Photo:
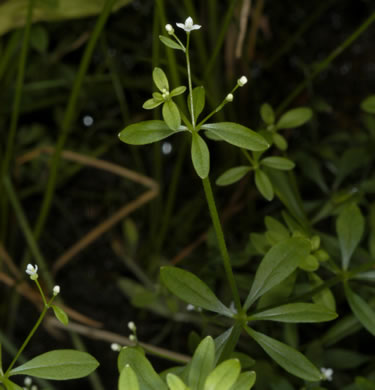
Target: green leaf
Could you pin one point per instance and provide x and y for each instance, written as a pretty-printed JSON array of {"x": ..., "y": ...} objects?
[
  {"x": 281, "y": 163},
  {"x": 39, "y": 38},
  {"x": 350, "y": 226},
  {"x": 237, "y": 135},
  {"x": 202, "y": 363},
  {"x": 294, "y": 118},
  {"x": 245, "y": 381},
  {"x": 160, "y": 79},
  {"x": 148, "y": 379},
  {"x": 147, "y": 132},
  {"x": 199, "y": 99},
  {"x": 368, "y": 104},
  {"x": 170, "y": 42},
  {"x": 280, "y": 141},
  {"x": 309, "y": 264},
  {"x": 200, "y": 155},
  {"x": 60, "y": 364},
  {"x": 287, "y": 357},
  {"x": 223, "y": 376},
  {"x": 178, "y": 91},
  {"x": 175, "y": 383},
  {"x": 267, "y": 114},
  {"x": 264, "y": 184},
  {"x": 274, "y": 225},
  {"x": 191, "y": 289},
  {"x": 171, "y": 115},
  {"x": 50, "y": 3},
  {"x": 296, "y": 312},
  {"x": 128, "y": 380},
  {"x": 232, "y": 175},
  {"x": 281, "y": 260},
  {"x": 9, "y": 385},
  {"x": 150, "y": 104},
  {"x": 60, "y": 315},
  {"x": 323, "y": 297},
  {"x": 361, "y": 309}
]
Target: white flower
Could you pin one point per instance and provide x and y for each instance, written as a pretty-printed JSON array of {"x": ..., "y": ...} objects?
[
  {"x": 28, "y": 381},
  {"x": 189, "y": 26},
  {"x": 32, "y": 271},
  {"x": 169, "y": 28},
  {"x": 115, "y": 347},
  {"x": 56, "y": 290},
  {"x": 327, "y": 372},
  {"x": 242, "y": 81},
  {"x": 229, "y": 97},
  {"x": 131, "y": 326}
]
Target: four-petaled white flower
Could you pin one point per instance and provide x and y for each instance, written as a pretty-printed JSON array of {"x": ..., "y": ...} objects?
[
  {"x": 188, "y": 25},
  {"x": 327, "y": 372},
  {"x": 32, "y": 271}
]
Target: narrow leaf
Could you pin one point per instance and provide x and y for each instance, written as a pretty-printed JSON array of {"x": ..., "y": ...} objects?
[
  {"x": 170, "y": 43},
  {"x": 368, "y": 104},
  {"x": 281, "y": 163},
  {"x": 200, "y": 156},
  {"x": 147, "y": 132},
  {"x": 232, "y": 175},
  {"x": 128, "y": 380},
  {"x": 267, "y": 114},
  {"x": 191, "y": 289},
  {"x": 150, "y": 104},
  {"x": 294, "y": 118},
  {"x": 171, "y": 115},
  {"x": 296, "y": 312},
  {"x": 175, "y": 383},
  {"x": 199, "y": 98},
  {"x": 287, "y": 357},
  {"x": 148, "y": 379},
  {"x": 178, "y": 91},
  {"x": 350, "y": 226},
  {"x": 59, "y": 365},
  {"x": 160, "y": 79},
  {"x": 60, "y": 315},
  {"x": 237, "y": 135},
  {"x": 280, "y": 261},
  {"x": 202, "y": 363},
  {"x": 264, "y": 184},
  {"x": 361, "y": 309},
  {"x": 223, "y": 376},
  {"x": 9, "y": 385},
  {"x": 245, "y": 381}
]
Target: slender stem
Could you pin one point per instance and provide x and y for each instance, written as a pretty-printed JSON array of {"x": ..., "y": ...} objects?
[
  {"x": 33, "y": 330},
  {"x": 221, "y": 241},
  {"x": 324, "y": 64},
  {"x": 189, "y": 80},
  {"x": 41, "y": 292}
]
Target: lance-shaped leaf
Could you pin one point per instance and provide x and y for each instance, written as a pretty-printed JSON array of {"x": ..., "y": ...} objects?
[
  {"x": 296, "y": 312},
  {"x": 58, "y": 365},
  {"x": 60, "y": 314},
  {"x": 175, "y": 383},
  {"x": 267, "y": 114},
  {"x": 202, "y": 363},
  {"x": 286, "y": 356},
  {"x": 223, "y": 376},
  {"x": 9, "y": 385},
  {"x": 232, "y": 175},
  {"x": 237, "y": 135},
  {"x": 294, "y": 118},
  {"x": 281, "y": 163},
  {"x": 361, "y": 309},
  {"x": 245, "y": 381},
  {"x": 160, "y": 79},
  {"x": 200, "y": 155},
  {"x": 191, "y": 289},
  {"x": 199, "y": 97},
  {"x": 280, "y": 261},
  {"x": 170, "y": 42},
  {"x": 350, "y": 226},
  {"x": 264, "y": 184},
  {"x": 171, "y": 115},
  {"x": 146, "y": 132},
  {"x": 147, "y": 377},
  {"x": 128, "y": 380}
]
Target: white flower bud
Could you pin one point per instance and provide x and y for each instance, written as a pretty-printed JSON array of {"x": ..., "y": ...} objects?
[
  {"x": 132, "y": 327},
  {"x": 327, "y": 372},
  {"x": 242, "y": 81},
  {"x": 115, "y": 347},
  {"x": 56, "y": 290},
  {"x": 28, "y": 381},
  {"x": 229, "y": 97},
  {"x": 170, "y": 29}
]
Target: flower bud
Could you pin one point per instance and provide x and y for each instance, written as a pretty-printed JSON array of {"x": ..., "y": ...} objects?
[
  {"x": 229, "y": 97},
  {"x": 170, "y": 29},
  {"x": 242, "y": 81},
  {"x": 132, "y": 327},
  {"x": 115, "y": 347},
  {"x": 56, "y": 290}
]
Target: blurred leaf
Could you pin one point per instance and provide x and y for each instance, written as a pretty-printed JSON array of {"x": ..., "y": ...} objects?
[
  {"x": 200, "y": 155},
  {"x": 361, "y": 309},
  {"x": 350, "y": 226},
  {"x": 191, "y": 289},
  {"x": 9, "y": 385},
  {"x": 60, "y": 364},
  {"x": 175, "y": 383},
  {"x": 267, "y": 114},
  {"x": 294, "y": 118},
  {"x": 264, "y": 184},
  {"x": 274, "y": 225},
  {"x": 344, "y": 358},
  {"x": 232, "y": 175},
  {"x": 281, "y": 163},
  {"x": 309, "y": 264},
  {"x": 128, "y": 380},
  {"x": 280, "y": 141},
  {"x": 146, "y": 132},
  {"x": 198, "y": 101},
  {"x": 178, "y": 91},
  {"x": 171, "y": 115},
  {"x": 60, "y": 315},
  {"x": 325, "y": 296},
  {"x": 368, "y": 104},
  {"x": 13, "y": 12},
  {"x": 160, "y": 79},
  {"x": 277, "y": 265},
  {"x": 223, "y": 376},
  {"x": 245, "y": 381},
  {"x": 260, "y": 243},
  {"x": 237, "y": 135},
  {"x": 296, "y": 312},
  {"x": 39, "y": 38},
  {"x": 170, "y": 42},
  {"x": 202, "y": 363},
  {"x": 341, "y": 328},
  {"x": 288, "y": 358}
]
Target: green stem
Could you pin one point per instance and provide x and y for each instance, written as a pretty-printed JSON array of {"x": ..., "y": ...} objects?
[
  {"x": 189, "y": 80},
  {"x": 221, "y": 241},
  {"x": 69, "y": 117},
  {"x": 324, "y": 64}
]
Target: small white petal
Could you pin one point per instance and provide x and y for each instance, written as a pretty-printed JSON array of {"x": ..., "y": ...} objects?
[
  {"x": 56, "y": 290},
  {"x": 242, "y": 81},
  {"x": 131, "y": 326}
]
